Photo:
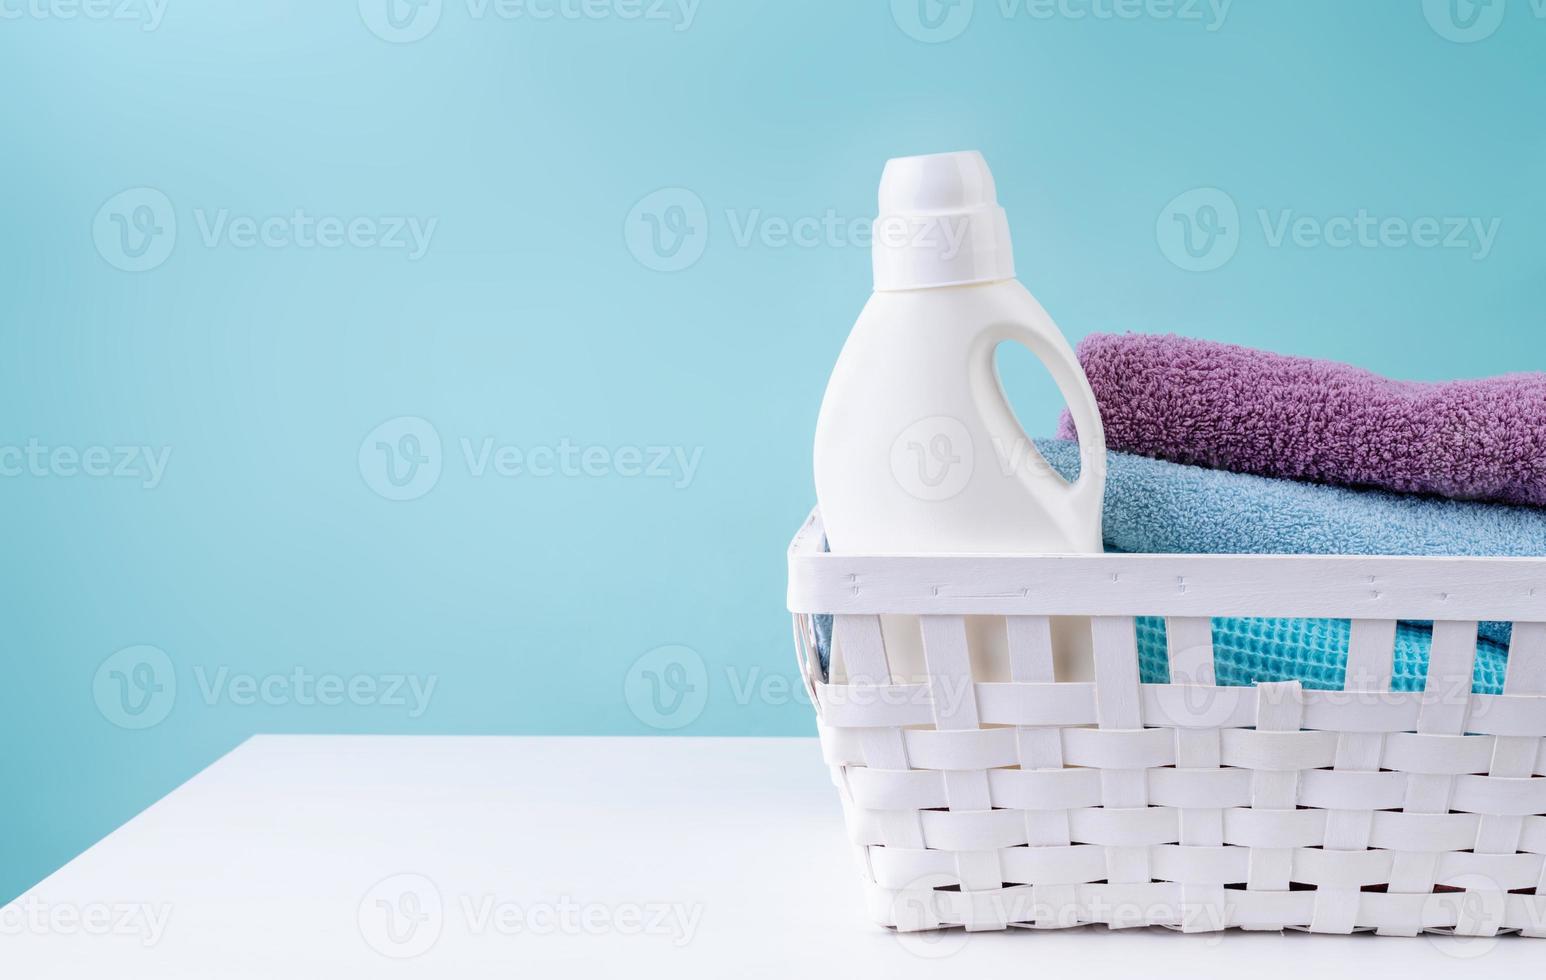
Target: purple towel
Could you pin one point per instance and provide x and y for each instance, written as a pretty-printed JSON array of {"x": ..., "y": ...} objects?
[{"x": 1249, "y": 411}]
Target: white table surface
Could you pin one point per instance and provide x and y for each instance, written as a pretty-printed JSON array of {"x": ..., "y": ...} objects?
[{"x": 623, "y": 857}]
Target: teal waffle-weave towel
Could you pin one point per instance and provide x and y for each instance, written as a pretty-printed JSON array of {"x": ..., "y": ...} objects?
[{"x": 1311, "y": 651}]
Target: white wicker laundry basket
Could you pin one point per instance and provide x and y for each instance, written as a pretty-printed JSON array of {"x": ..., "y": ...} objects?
[{"x": 1047, "y": 805}]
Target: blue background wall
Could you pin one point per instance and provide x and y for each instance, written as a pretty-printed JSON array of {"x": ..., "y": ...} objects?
[{"x": 153, "y": 620}]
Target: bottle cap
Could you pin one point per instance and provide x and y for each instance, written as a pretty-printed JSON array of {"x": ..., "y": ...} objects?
[{"x": 940, "y": 224}]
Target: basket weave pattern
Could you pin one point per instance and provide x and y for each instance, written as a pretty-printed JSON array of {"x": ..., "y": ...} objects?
[{"x": 1034, "y": 803}]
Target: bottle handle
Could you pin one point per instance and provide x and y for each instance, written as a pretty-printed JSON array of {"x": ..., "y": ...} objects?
[{"x": 1086, "y": 494}]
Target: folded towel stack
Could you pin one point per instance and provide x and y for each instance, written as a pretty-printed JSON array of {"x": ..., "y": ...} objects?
[{"x": 1254, "y": 424}]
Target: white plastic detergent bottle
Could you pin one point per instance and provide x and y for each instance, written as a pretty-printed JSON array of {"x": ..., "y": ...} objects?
[{"x": 917, "y": 448}]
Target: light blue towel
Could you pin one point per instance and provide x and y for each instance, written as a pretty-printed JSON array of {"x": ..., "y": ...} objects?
[
  {"x": 1153, "y": 506},
  {"x": 1167, "y": 508},
  {"x": 1161, "y": 507}
]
